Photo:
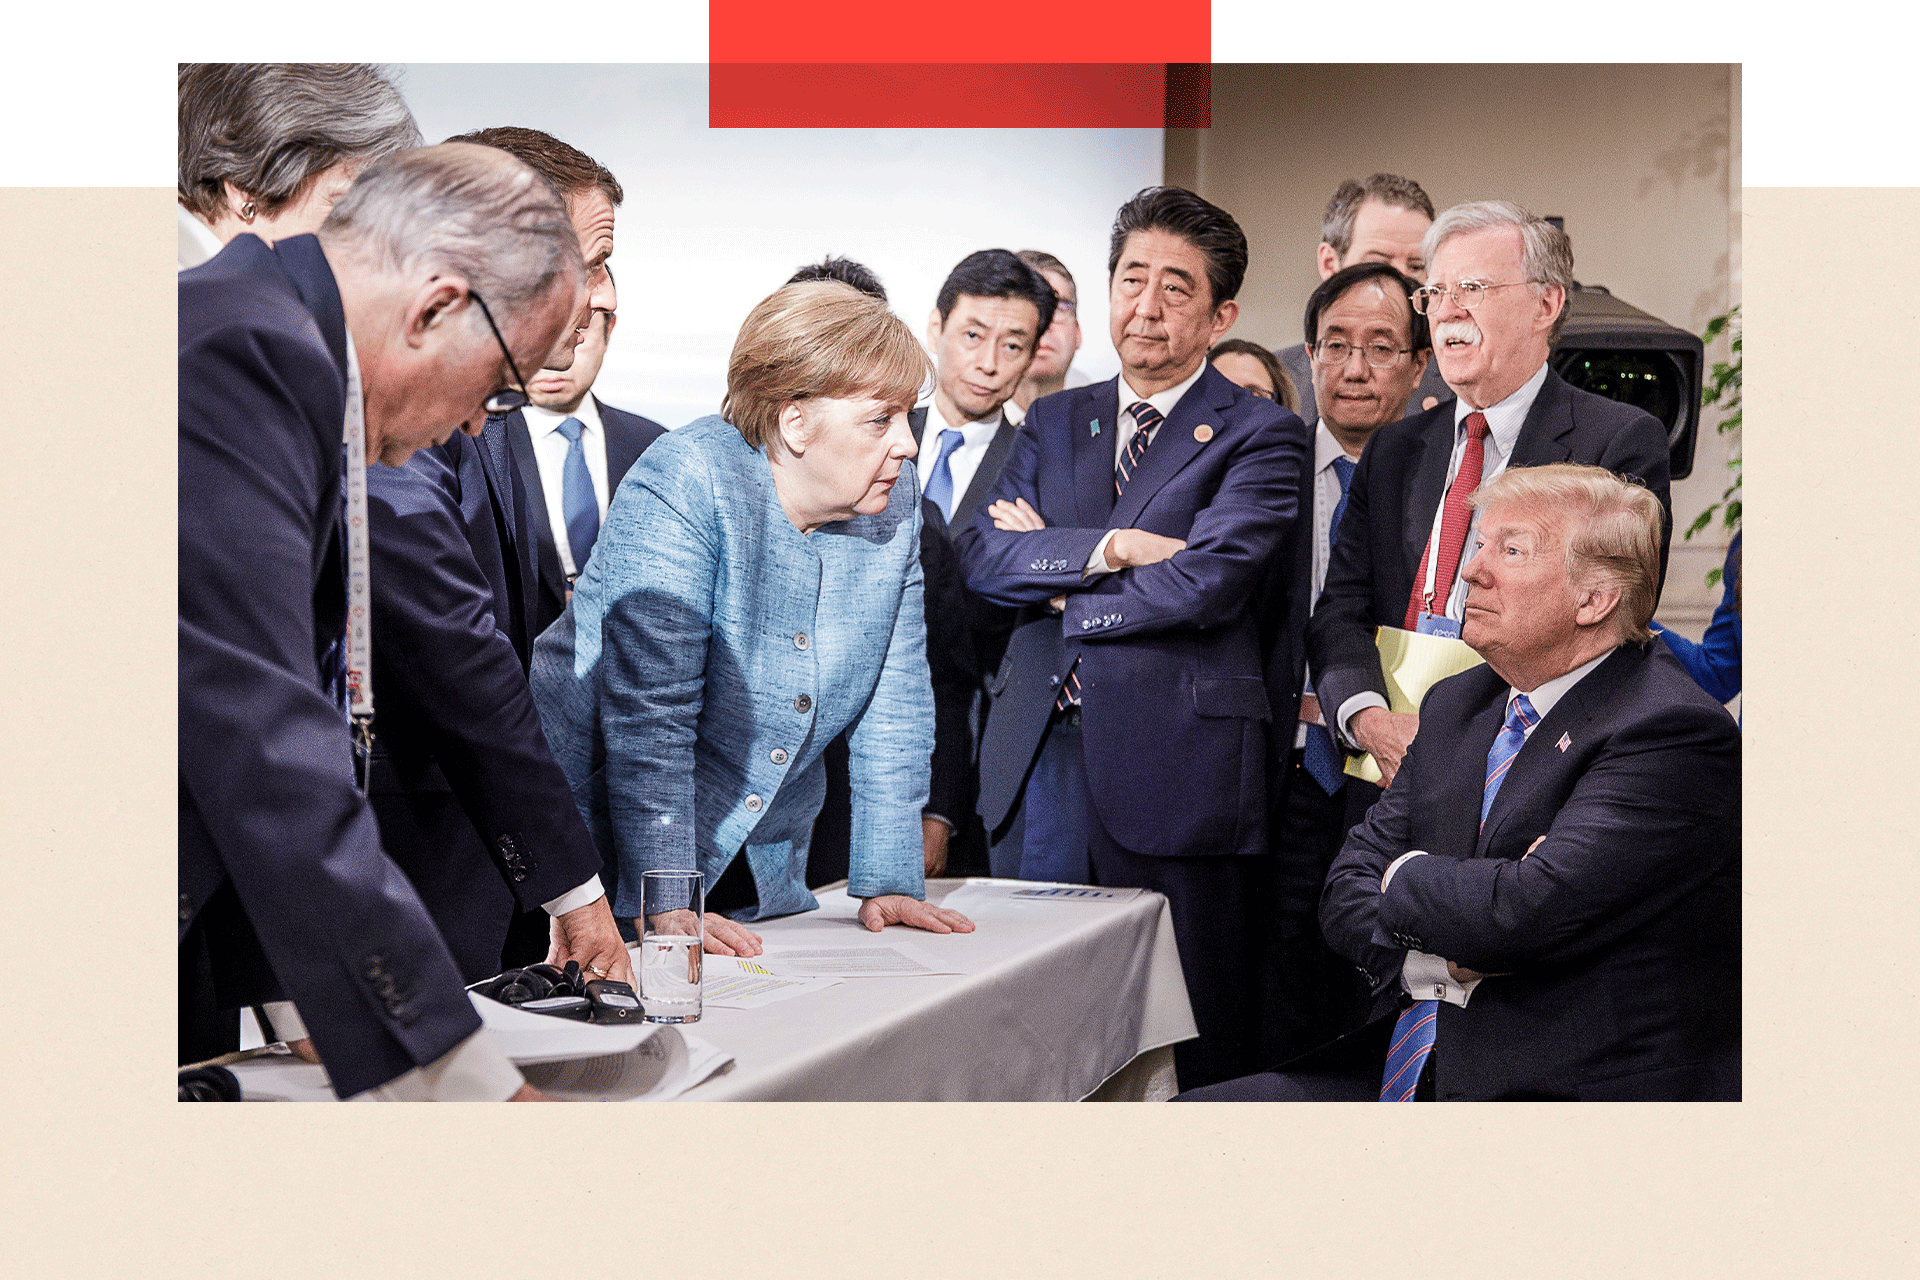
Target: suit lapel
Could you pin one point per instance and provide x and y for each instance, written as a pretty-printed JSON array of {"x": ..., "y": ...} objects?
[
  {"x": 985, "y": 474},
  {"x": 1456, "y": 812},
  {"x": 624, "y": 446},
  {"x": 1541, "y": 761},
  {"x": 1543, "y": 436},
  {"x": 917, "y": 419},
  {"x": 1428, "y": 487},
  {"x": 1175, "y": 444},
  {"x": 527, "y": 467},
  {"x": 1093, "y": 452}
]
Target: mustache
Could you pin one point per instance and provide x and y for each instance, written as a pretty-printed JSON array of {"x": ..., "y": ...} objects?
[{"x": 1461, "y": 330}]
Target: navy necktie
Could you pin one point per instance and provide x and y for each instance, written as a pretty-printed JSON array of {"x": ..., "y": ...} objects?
[
  {"x": 1321, "y": 758},
  {"x": 1413, "y": 1033},
  {"x": 940, "y": 479},
  {"x": 577, "y": 502}
]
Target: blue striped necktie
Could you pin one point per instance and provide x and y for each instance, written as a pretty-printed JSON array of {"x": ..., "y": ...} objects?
[{"x": 1413, "y": 1033}]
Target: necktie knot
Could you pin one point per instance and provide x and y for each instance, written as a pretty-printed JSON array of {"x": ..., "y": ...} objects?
[
  {"x": 1343, "y": 468},
  {"x": 1476, "y": 424},
  {"x": 572, "y": 429},
  {"x": 1520, "y": 714},
  {"x": 1145, "y": 415}
]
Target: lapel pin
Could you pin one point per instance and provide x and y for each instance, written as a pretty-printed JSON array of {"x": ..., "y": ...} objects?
[
  {"x": 1203, "y": 433},
  {"x": 1095, "y": 430},
  {"x": 1564, "y": 743}
]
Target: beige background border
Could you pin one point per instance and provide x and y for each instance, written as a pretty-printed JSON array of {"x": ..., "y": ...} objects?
[{"x": 1812, "y": 1176}]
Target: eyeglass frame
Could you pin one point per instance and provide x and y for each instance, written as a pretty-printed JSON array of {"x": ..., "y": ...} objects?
[
  {"x": 1313, "y": 353},
  {"x": 500, "y": 403},
  {"x": 1418, "y": 299}
]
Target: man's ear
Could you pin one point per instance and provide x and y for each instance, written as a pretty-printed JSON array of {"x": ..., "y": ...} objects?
[
  {"x": 933, "y": 328},
  {"x": 1329, "y": 260},
  {"x": 1223, "y": 317},
  {"x": 430, "y": 305},
  {"x": 1553, "y": 300},
  {"x": 1597, "y": 604}
]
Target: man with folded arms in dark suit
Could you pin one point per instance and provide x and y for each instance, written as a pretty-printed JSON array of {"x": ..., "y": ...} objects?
[
  {"x": 1132, "y": 525},
  {"x": 1553, "y": 880},
  {"x": 284, "y": 887},
  {"x": 1495, "y": 304},
  {"x": 572, "y": 450}
]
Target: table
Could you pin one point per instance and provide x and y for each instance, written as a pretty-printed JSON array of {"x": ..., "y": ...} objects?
[{"x": 1054, "y": 998}]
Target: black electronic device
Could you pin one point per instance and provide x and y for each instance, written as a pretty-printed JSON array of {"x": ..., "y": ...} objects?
[
  {"x": 1616, "y": 350},
  {"x": 613, "y": 1001}
]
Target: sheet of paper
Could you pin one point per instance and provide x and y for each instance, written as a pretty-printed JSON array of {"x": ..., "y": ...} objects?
[
  {"x": 538, "y": 1037},
  {"x": 665, "y": 1065},
  {"x": 981, "y": 891},
  {"x": 894, "y": 958},
  {"x": 1412, "y": 663},
  {"x": 734, "y": 982}
]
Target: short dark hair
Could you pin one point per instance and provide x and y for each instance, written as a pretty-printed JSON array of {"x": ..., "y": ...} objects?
[
  {"x": 997, "y": 273},
  {"x": 270, "y": 127},
  {"x": 846, "y": 271},
  {"x": 1205, "y": 226},
  {"x": 1041, "y": 260},
  {"x": 568, "y": 169},
  {"x": 1336, "y": 224},
  {"x": 1359, "y": 273},
  {"x": 1284, "y": 391}
]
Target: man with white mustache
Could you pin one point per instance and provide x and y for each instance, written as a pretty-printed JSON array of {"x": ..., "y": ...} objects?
[{"x": 1496, "y": 298}]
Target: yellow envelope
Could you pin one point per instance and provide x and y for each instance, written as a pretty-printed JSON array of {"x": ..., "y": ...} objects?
[{"x": 1413, "y": 664}]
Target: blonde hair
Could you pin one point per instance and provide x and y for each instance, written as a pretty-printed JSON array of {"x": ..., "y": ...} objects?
[
  {"x": 819, "y": 338},
  {"x": 1612, "y": 527}
]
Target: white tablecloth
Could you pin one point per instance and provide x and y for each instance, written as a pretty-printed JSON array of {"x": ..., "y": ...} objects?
[{"x": 1052, "y": 999}]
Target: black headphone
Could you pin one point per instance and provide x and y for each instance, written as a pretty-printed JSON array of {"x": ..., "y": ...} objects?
[{"x": 535, "y": 982}]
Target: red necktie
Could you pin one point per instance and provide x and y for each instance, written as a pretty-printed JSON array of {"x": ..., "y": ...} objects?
[{"x": 1455, "y": 516}]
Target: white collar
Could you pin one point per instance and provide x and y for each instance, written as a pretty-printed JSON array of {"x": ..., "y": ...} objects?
[
  {"x": 1164, "y": 401},
  {"x": 1505, "y": 418},
  {"x": 546, "y": 421},
  {"x": 1543, "y": 699}
]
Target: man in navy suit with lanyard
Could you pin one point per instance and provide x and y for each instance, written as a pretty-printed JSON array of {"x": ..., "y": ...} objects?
[{"x": 1131, "y": 525}]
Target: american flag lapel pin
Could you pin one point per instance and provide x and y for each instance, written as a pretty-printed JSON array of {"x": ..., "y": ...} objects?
[
  {"x": 1095, "y": 429},
  {"x": 1564, "y": 743}
]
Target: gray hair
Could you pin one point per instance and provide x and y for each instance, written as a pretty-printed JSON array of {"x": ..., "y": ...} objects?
[
  {"x": 1546, "y": 255},
  {"x": 270, "y": 127},
  {"x": 1612, "y": 527},
  {"x": 1336, "y": 224},
  {"x": 1041, "y": 260},
  {"x": 469, "y": 210}
]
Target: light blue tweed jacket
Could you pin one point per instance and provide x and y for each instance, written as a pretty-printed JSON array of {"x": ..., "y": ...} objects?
[{"x": 709, "y": 654}]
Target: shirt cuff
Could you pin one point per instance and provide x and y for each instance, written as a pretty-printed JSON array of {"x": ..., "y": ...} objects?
[
  {"x": 1394, "y": 866},
  {"x": 1097, "y": 562},
  {"x": 951, "y": 825},
  {"x": 286, "y": 1020},
  {"x": 585, "y": 895},
  {"x": 1425, "y": 977},
  {"x": 475, "y": 1070},
  {"x": 1353, "y": 706}
]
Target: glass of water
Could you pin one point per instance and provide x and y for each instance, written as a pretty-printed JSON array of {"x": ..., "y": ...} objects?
[{"x": 671, "y": 907}]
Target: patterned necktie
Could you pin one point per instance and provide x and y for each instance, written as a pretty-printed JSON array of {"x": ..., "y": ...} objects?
[
  {"x": 940, "y": 480},
  {"x": 1455, "y": 516},
  {"x": 577, "y": 502},
  {"x": 1321, "y": 757},
  {"x": 1413, "y": 1033},
  {"x": 1148, "y": 418}
]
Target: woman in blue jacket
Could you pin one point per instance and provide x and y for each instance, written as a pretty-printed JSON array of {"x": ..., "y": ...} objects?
[{"x": 756, "y": 589}]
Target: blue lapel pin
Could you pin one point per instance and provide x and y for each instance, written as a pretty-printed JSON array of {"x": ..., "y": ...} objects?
[{"x": 1096, "y": 428}]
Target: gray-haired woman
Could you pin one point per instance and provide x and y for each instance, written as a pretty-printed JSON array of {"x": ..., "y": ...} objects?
[{"x": 267, "y": 147}]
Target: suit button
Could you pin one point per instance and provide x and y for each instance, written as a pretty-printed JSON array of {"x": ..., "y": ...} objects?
[
  {"x": 1035, "y": 566},
  {"x": 778, "y": 755},
  {"x": 1085, "y": 623},
  {"x": 753, "y": 804},
  {"x": 803, "y": 704},
  {"x": 186, "y": 907},
  {"x": 801, "y": 642},
  {"x": 373, "y": 971},
  {"x": 1053, "y": 681}
]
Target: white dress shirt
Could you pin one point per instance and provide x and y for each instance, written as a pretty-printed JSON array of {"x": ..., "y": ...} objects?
[
  {"x": 550, "y": 453},
  {"x": 197, "y": 241},
  {"x": 1424, "y": 976},
  {"x": 966, "y": 459},
  {"x": 1123, "y": 434},
  {"x": 1504, "y": 421}
]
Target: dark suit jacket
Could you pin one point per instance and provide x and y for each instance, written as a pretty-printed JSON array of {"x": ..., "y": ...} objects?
[
  {"x": 628, "y": 435},
  {"x": 1299, "y": 367},
  {"x": 1617, "y": 940},
  {"x": 1175, "y": 711},
  {"x": 267, "y": 799},
  {"x": 470, "y": 801},
  {"x": 1396, "y": 490}
]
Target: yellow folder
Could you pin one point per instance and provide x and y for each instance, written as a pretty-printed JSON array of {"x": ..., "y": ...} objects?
[{"x": 1413, "y": 664}]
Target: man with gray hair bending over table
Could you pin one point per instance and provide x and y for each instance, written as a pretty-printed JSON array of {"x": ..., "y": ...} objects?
[{"x": 403, "y": 320}]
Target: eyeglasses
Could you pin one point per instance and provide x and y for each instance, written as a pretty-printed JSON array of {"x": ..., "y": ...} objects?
[
  {"x": 506, "y": 399},
  {"x": 1466, "y": 295},
  {"x": 1335, "y": 351}
]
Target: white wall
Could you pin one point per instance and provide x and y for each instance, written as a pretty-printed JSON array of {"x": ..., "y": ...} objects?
[{"x": 715, "y": 219}]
